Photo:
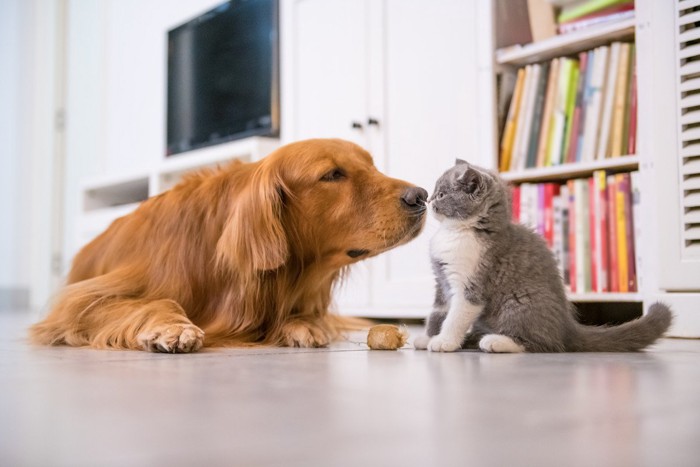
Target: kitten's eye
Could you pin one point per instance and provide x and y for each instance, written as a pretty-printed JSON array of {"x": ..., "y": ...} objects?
[
  {"x": 333, "y": 176},
  {"x": 440, "y": 195}
]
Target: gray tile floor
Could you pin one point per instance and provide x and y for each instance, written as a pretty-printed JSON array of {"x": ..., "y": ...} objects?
[{"x": 345, "y": 406}]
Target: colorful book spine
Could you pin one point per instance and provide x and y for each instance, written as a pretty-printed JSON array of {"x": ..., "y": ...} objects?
[
  {"x": 542, "y": 146},
  {"x": 619, "y": 105},
  {"x": 622, "y": 247},
  {"x": 515, "y": 211},
  {"x": 573, "y": 217},
  {"x": 601, "y": 230},
  {"x": 614, "y": 276},
  {"x": 592, "y": 227},
  {"x": 576, "y": 127},
  {"x": 509, "y": 131},
  {"x": 537, "y": 116},
  {"x": 637, "y": 222}
]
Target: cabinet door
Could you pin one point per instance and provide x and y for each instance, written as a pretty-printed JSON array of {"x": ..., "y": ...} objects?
[
  {"x": 328, "y": 92},
  {"x": 425, "y": 107},
  {"x": 330, "y": 68}
]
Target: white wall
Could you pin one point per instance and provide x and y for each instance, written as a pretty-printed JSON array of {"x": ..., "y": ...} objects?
[
  {"x": 116, "y": 91},
  {"x": 10, "y": 207}
]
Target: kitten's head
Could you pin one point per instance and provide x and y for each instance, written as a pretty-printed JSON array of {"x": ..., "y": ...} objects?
[{"x": 471, "y": 194}]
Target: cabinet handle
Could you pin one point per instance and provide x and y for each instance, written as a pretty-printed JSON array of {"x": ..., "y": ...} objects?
[
  {"x": 356, "y": 125},
  {"x": 372, "y": 121}
]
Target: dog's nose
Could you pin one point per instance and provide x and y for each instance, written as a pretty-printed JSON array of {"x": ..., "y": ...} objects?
[{"x": 414, "y": 197}]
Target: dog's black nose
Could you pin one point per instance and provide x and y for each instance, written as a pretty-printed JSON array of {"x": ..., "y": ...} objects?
[{"x": 414, "y": 198}]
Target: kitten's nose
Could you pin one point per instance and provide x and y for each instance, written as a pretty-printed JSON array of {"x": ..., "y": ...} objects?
[{"x": 414, "y": 198}]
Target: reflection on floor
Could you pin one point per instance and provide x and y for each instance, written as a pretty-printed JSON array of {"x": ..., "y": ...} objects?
[{"x": 345, "y": 406}]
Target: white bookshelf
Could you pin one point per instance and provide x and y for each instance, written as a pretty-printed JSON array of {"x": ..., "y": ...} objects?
[
  {"x": 566, "y": 44},
  {"x": 566, "y": 171},
  {"x": 508, "y": 60}
]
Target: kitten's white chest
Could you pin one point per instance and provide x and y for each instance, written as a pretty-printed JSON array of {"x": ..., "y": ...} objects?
[{"x": 458, "y": 249}]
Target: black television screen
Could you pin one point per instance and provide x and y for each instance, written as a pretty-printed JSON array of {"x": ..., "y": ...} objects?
[{"x": 223, "y": 76}]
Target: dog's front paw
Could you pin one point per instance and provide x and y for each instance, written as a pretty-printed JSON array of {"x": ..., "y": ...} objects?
[
  {"x": 441, "y": 343},
  {"x": 421, "y": 342},
  {"x": 302, "y": 334},
  {"x": 172, "y": 338}
]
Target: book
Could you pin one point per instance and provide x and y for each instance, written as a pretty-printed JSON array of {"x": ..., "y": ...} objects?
[
  {"x": 613, "y": 250},
  {"x": 515, "y": 197},
  {"x": 543, "y": 23},
  {"x": 525, "y": 122},
  {"x": 632, "y": 139},
  {"x": 572, "y": 218},
  {"x": 578, "y": 10},
  {"x": 551, "y": 191},
  {"x": 520, "y": 122},
  {"x": 595, "y": 20},
  {"x": 558, "y": 203},
  {"x": 570, "y": 104},
  {"x": 608, "y": 100},
  {"x": 565, "y": 223},
  {"x": 582, "y": 118},
  {"x": 593, "y": 104},
  {"x": 509, "y": 132},
  {"x": 600, "y": 219},
  {"x": 619, "y": 104},
  {"x": 537, "y": 116},
  {"x": 622, "y": 187},
  {"x": 628, "y": 102},
  {"x": 576, "y": 127},
  {"x": 542, "y": 146},
  {"x": 583, "y": 237},
  {"x": 593, "y": 216},
  {"x": 629, "y": 233},
  {"x": 558, "y": 124},
  {"x": 637, "y": 221}
]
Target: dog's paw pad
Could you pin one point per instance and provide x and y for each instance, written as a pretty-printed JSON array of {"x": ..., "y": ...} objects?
[
  {"x": 172, "y": 338},
  {"x": 305, "y": 335}
]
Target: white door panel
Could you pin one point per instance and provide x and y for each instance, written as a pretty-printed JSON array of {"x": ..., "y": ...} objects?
[
  {"x": 429, "y": 93},
  {"x": 330, "y": 66}
]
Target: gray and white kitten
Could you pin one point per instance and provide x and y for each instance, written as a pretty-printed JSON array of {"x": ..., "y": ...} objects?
[{"x": 498, "y": 285}]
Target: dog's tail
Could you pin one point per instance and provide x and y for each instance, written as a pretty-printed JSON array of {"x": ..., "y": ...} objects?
[{"x": 628, "y": 337}]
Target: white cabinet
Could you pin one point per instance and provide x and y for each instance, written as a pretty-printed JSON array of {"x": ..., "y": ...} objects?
[{"x": 409, "y": 66}]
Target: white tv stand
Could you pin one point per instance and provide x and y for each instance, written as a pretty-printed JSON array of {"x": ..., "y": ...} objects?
[{"x": 106, "y": 198}]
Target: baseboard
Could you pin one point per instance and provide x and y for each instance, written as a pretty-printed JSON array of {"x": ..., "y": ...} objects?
[{"x": 14, "y": 299}]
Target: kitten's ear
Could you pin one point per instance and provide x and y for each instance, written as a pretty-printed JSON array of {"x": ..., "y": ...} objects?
[
  {"x": 459, "y": 161},
  {"x": 470, "y": 180}
]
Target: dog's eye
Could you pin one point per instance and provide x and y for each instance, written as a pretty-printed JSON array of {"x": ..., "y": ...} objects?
[{"x": 333, "y": 176}]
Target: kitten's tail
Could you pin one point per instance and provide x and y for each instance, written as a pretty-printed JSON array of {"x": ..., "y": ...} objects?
[{"x": 628, "y": 337}]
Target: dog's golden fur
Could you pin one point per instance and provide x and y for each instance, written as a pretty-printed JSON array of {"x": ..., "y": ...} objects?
[{"x": 245, "y": 254}]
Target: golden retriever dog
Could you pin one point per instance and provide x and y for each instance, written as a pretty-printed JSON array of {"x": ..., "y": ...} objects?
[{"x": 246, "y": 254}]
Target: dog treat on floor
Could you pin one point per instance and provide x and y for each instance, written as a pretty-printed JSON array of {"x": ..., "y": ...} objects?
[{"x": 386, "y": 337}]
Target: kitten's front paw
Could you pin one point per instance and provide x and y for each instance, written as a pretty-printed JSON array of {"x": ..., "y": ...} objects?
[
  {"x": 421, "y": 342},
  {"x": 442, "y": 343}
]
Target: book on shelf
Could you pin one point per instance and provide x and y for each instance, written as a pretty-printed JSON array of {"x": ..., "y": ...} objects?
[
  {"x": 589, "y": 224},
  {"x": 571, "y": 110},
  {"x": 591, "y": 9},
  {"x": 613, "y": 15}
]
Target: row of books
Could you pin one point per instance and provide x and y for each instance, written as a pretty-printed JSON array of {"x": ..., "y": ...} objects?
[
  {"x": 572, "y": 110},
  {"x": 589, "y": 225},
  {"x": 583, "y": 14}
]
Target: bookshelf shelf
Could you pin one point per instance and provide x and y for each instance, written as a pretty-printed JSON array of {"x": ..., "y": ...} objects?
[
  {"x": 567, "y": 171},
  {"x": 566, "y": 44},
  {"x": 610, "y": 297}
]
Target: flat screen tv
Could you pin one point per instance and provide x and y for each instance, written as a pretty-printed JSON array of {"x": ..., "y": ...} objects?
[{"x": 223, "y": 76}]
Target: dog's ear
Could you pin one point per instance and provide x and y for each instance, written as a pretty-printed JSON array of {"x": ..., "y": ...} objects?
[{"x": 254, "y": 238}]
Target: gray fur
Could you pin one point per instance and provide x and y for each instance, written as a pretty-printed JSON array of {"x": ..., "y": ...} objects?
[{"x": 517, "y": 280}]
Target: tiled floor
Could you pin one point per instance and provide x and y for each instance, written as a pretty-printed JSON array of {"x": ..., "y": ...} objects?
[{"x": 345, "y": 406}]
